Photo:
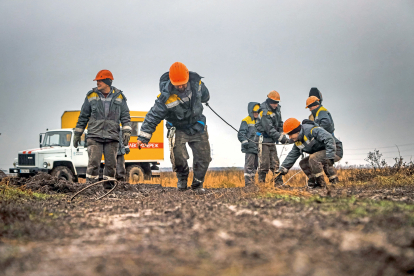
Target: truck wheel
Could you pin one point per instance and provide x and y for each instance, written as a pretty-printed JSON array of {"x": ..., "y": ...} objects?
[
  {"x": 64, "y": 173},
  {"x": 135, "y": 174}
]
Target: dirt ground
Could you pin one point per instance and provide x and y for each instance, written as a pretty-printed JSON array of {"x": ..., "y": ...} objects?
[{"x": 152, "y": 230}]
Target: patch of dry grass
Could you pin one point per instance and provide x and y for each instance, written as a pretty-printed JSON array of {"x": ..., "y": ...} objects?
[{"x": 349, "y": 177}]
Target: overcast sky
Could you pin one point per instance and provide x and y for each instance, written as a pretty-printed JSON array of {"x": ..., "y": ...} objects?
[{"x": 359, "y": 54}]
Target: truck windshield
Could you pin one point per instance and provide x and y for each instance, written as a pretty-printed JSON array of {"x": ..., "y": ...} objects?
[{"x": 57, "y": 138}]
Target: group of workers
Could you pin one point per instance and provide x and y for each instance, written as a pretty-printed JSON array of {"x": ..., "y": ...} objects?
[
  {"x": 180, "y": 104},
  {"x": 263, "y": 129}
]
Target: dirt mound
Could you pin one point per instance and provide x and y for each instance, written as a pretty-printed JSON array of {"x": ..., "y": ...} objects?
[
  {"x": 45, "y": 183},
  {"x": 2, "y": 175}
]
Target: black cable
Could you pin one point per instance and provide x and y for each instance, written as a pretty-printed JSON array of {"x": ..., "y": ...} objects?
[
  {"x": 221, "y": 118},
  {"x": 238, "y": 131}
]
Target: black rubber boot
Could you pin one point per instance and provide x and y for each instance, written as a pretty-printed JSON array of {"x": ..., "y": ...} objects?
[
  {"x": 334, "y": 181},
  {"x": 278, "y": 180},
  {"x": 108, "y": 184},
  {"x": 311, "y": 183},
  {"x": 182, "y": 184},
  {"x": 262, "y": 177},
  {"x": 320, "y": 182}
]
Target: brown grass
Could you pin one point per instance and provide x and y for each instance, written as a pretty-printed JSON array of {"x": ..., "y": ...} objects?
[{"x": 349, "y": 177}]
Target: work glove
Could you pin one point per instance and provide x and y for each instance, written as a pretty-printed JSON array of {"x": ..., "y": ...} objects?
[
  {"x": 199, "y": 126},
  {"x": 127, "y": 150},
  {"x": 282, "y": 171},
  {"x": 245, "y": 146},
  {"x": 331, "y": 162},
  {"x": 125, "y": 137},
  {"x": 76, "y": 140},
  {"x": 284, "y": 140}
]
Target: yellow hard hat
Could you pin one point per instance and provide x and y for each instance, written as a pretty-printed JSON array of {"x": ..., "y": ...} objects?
[{"x": 256, "y": 108}]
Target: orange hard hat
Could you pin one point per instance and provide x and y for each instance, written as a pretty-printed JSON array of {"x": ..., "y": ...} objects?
[
  {"x": 274, "y": 95},
  {"x": 104, "y": 74},
  {"x": 179, "y": 74},
  {"x": 311, "y": 100},
  {"x": 290, "y": 124}
]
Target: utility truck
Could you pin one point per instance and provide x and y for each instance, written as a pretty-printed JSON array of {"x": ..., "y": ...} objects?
[{"x": 57, "y": 156}]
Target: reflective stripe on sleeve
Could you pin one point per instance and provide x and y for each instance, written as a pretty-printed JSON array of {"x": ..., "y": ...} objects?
[
  {"x": 318, "y": 174},
  {"x": 79, "y": 129},
  {"x": 245, "y": 141},
  {"x": 145, "y": 135},
  {"x": 173, "y": 104},
  {"x": 333, "y": 176},
  {"x": 126, "y": 128},
  {"x": 93, "y": 98}
]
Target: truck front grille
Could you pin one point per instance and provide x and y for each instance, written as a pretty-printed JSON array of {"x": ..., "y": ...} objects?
[{"x": 26, "y": 159}]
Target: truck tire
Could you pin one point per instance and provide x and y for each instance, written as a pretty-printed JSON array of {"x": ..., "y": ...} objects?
[
  {"x": 135, "y": 174},
  {"x": 63, "y": 172}
]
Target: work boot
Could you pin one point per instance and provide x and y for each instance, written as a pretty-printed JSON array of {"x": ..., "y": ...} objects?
[
  {"x": 199, "y": 190},
  {"x": 108, "y": 184},
  {"x": 278, "y": 180},
  {"x": 262, "y": 177},
  {"x": 320, "y": 182},
  {"x": 182, "y": 184},
  {"x": 197, "y": 184},
  {"x": 334, "y": 181},
  {"x": 248, "y": 181},
  {"x": 311, "y": 182}
]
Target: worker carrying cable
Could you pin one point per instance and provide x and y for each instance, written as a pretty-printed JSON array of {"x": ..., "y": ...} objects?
[
  {"x": 321, "y": 146},
  {"x": 180, "y": 103},
  {"x": 246, "y": 136},
  {"x": 269, "y": 127},
  {"x": 104, "y": 107}
]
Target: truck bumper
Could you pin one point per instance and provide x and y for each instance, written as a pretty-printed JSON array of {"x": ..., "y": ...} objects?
[{"x": 27, "y": 171}]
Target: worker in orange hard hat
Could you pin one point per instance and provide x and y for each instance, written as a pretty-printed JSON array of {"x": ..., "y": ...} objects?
[
  {"x": 269, "y": 127},
  {"x": 180, "y": 104},
  {"x": 316, "y": 93},
  {"x": 318, "y": 143},
  {"x": 321, "y": 115},
  {"x": 246, "y": 136},
  {"x": 323, "y": 118},
  {"x": 104, "y": 107}
]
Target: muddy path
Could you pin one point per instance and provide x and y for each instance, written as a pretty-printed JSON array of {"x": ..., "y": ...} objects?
[{"x": 150, "y": 230}]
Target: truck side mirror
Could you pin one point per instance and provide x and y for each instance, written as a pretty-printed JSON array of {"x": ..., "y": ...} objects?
[{"x": 40, "y": 139}]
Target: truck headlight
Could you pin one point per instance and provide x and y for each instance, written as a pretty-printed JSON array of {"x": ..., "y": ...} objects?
[{"x": 45, "y": 164}]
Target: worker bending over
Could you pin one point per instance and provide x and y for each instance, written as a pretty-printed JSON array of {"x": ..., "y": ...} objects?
[
  {"x": 318, "y": 143},
  {"x": 246, "y": 136},
  {"x": 104, "y": 107},
  {"x": 180, "y": 103},
  {"x": 269, "y": 127}
]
